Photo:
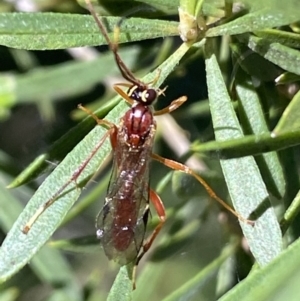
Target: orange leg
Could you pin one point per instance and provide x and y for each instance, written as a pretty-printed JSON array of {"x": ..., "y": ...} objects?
[
  {"x": 175, "y": 104},
  {"x": 160, "y": 210},
  {"x": 95, "y": 117},
  {"x": 122, "y": 93},
  {"x": 128, "y": 85},
  {"x": 111, "y": 132},
  {"x": 183, "y": 168}
]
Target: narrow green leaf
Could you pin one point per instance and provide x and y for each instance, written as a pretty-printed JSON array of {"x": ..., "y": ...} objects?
[
  {"x": 248, "y": 145},
  {"x": 51, "y": 267},
  {"x": 290, "y": 119},
  {"x": 41, "y": 31},
  {"x": 147, "y": 281},
  {"x": 291, "y": 213},
  {"x": 253, "y": 63},
  {"x": 282, "y": 56},
  {"x": 25, "y": 246},
  {"x": 27, "y": 174},
  {"x": 243, "y": 179},
  {"x": 226, "y": 277},
  {"x": 289, "y": 39},
  {"x": 213, "y": 8},
  {"x": 193, "y": 285},
  {"x": 269, "y": 164},
  {"x": 278, "y": 281},
  {"x": 189, "y": 6},
  {"x": 48, "y": 265},
  {"x": 10, "y": 207},
  {"x": 269, "y": 16},
  {"x": 68, "y": 79},
  {"x": 122, "y": 287}
]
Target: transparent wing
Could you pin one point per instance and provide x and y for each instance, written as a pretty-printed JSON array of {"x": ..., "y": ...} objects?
[{"x": 121, "y": 225}]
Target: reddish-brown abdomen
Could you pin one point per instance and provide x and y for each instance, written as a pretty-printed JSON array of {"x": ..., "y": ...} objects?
[{"x": 124, "y": 224}]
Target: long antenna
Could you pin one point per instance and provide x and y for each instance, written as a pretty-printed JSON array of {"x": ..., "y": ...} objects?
[{"x": 126, "y": 73}]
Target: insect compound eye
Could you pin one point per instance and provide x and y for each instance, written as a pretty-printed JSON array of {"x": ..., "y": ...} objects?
[{"x": 149, "y": 96}]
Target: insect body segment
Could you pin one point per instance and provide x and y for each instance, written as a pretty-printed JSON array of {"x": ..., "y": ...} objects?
[
  {"x": 122, "y": 222},
  {"x": 140, "y": 94}
]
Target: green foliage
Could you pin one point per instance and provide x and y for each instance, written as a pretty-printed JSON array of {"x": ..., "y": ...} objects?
[{"x": 253, "y": 109}]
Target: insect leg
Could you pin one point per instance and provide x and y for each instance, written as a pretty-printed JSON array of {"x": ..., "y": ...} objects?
[
  {"x": 98, "y": 120},
  {"x": 128, "y": 85},
  {"x": 122, "y": 93},
  {"x": 160, "y": 210},
  {"x": 74, "y": 177},
  {"x": 175, "y": 104},
  {"x": 111, "y": 132},
  {"x": 183, "y": 168}
]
